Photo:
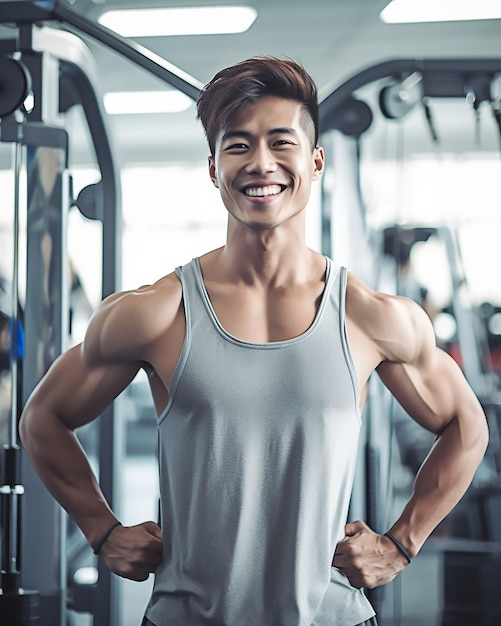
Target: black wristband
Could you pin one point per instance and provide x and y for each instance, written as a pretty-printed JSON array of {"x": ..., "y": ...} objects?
[
  {"x": 399, "y": 546},
  {"x": 103, "y": 538}
]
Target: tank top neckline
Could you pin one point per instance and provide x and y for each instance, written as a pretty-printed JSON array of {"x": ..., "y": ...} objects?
[{"x": 329, "y": 276}]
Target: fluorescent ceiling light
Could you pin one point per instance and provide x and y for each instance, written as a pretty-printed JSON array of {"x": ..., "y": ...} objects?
[
  {"x": 179, "y": 21},
  {"x": 133, "y": 102},
  {"x": 406, "y": 11}
]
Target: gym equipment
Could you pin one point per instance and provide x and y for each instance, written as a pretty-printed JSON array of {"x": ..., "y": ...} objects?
[
  {"x": 353, "y": 117},
  {"x": 391, "y": 91},
  {"x": 15, "y": 85},
  {"x": 405, "y": 83},
  {"x": 398, "y": 98},
  {"x": 17, "y": 605},
  {"x": 60, "y": 74}
]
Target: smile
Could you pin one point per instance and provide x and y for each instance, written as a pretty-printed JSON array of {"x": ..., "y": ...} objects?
[{"x": 261, "y": 192}]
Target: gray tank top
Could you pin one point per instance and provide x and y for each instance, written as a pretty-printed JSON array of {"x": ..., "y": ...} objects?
[{"x": 257, "y": 451}]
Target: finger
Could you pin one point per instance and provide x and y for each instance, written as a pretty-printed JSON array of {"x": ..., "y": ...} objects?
[
  {"x": 153, "y": 529},
  {"x": 153, "y": 561},
  {"x": 137, "y": 577},
  {"x": 153, "y": 549},
  {"x": 339, "y": 551},
  {"x": 342, "y": 560},
  {"x": 352, "y": 528}
]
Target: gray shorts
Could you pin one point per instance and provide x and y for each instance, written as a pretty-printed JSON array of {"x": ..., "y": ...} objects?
[{"x": 369, "y": 622}]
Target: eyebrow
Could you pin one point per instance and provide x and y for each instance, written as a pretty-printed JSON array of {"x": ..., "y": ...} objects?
[{"x": 230, "y": 134}]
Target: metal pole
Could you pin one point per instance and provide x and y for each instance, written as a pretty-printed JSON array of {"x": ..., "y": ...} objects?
[
  {"x": 14, "y": 331},
  {"x": 133, "y": 51},
  {"x": 11, "y": 491},
  {"x": 18, "y": 606}
]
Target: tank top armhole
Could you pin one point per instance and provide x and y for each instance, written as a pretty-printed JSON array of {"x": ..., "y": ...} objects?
[
  {"x": 345, "y": 342},
  {"x": 183, "y": 357}
]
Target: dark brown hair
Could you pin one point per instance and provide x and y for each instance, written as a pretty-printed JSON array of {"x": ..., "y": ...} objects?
[{"x": 247, "y": 81}]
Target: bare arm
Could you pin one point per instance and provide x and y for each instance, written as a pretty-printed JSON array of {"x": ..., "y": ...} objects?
[
  {"x": 433, "y": 390},
  {"x": 75, "y": 391},
  {"x": 69, "y": 396}
]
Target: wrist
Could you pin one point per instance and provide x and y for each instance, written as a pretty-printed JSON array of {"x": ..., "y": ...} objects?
[
  {"x": 98, "y": 544},
  {"x": 399, "y": 546},
  {"x": 409, "y": 533}
]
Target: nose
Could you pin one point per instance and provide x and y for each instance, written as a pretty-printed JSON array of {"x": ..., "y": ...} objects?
[{"x": 261, "y": 160}]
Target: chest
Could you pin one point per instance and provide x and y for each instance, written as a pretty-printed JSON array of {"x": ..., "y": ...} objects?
[
  {"x": 280, "y": 347},
  {"x": 229, "y": 384},
  {"x": 262, "y": 316}
]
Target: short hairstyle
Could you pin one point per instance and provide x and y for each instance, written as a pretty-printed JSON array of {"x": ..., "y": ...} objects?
[{"x": 248, "y": 81}]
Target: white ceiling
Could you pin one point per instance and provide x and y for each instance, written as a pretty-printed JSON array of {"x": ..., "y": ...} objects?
[{"x": 334, "y": 39}]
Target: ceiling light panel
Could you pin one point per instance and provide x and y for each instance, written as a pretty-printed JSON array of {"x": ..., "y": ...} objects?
[
  {"x": 410, "y": 11},
  {"x": 179, "y": 21},
  {"x": 140, "y": 102}
]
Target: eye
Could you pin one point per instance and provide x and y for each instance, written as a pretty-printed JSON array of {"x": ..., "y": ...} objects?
[
  {"x": 283, "y": 142},
  {"x": 237, "y": 146}
]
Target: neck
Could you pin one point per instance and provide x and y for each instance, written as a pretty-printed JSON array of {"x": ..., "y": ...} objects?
[{"x": 270, "y": 257}]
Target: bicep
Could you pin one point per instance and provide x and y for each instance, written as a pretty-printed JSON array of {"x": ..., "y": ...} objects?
[
  {"x": 77, "y": 392},
  {"x": 432, "y": 396},
  {"x": 426, "y": 381}
]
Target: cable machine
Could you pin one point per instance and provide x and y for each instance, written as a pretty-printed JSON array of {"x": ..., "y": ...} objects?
[
  {"x": 44, "y": 72},
  {"x": 380, "y": 95}
]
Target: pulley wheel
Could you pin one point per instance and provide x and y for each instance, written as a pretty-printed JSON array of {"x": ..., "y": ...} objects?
[
  {"x": 15, "y": 85},
  {"x": 352, "y": 117}
]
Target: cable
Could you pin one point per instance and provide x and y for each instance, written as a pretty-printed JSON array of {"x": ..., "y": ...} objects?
[
  {"x": 496, "y": 111},
  {"x": 429, "y": 119}
]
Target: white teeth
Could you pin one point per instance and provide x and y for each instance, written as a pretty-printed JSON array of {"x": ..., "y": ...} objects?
[{"x": 271, "y": 190}]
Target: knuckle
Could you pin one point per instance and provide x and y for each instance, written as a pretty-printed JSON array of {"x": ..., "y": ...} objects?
[{"x": 353, "y": 550}]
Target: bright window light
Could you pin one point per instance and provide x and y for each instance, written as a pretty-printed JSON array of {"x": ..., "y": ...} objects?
[
  {"x": 406, "y": 11},
  {"x": 179, "y": 21},
  {"x": 130, "y": 102}
]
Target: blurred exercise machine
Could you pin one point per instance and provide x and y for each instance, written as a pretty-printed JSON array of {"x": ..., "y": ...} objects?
[
  {"x": 44, "y": 73},
  {"x": 382, "y": 95}
]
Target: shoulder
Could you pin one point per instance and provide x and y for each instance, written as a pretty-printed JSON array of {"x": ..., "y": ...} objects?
[
  {"x": 127, "y": 322},
  {"x": 400, "y": 329}
]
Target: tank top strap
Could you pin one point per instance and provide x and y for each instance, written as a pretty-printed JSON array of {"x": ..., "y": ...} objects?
[
  {"x": 197, "y": 305},
  {"x": 189, "y": 275}
]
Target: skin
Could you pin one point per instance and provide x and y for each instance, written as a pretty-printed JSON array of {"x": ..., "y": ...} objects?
[{"x": 265, "y": 285}]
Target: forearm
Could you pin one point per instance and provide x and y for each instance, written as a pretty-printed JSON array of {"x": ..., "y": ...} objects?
[
  {"x": 63, "y": 466},
  {"x": 442, "y": 480}
]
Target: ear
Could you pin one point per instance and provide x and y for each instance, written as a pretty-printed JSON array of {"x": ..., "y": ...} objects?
[
  {"x": 318, "y": 162},
  {"x": 212, "y": 172}
]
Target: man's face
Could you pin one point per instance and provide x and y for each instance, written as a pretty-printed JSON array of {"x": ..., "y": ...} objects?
[{"x": 263, "y": 163}]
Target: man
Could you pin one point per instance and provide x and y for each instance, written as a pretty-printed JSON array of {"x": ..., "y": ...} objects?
[{"x": 258, "y": 356}]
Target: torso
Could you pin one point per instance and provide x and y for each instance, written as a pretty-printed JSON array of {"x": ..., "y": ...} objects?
[
  {"x": 242, "y": 410},
  {"x": 245, "y": 311}
]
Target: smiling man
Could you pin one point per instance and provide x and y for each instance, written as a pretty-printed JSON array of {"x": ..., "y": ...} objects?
[
  {"x": 258, "y": 355},
  {"x": 264, "y": 164}
]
